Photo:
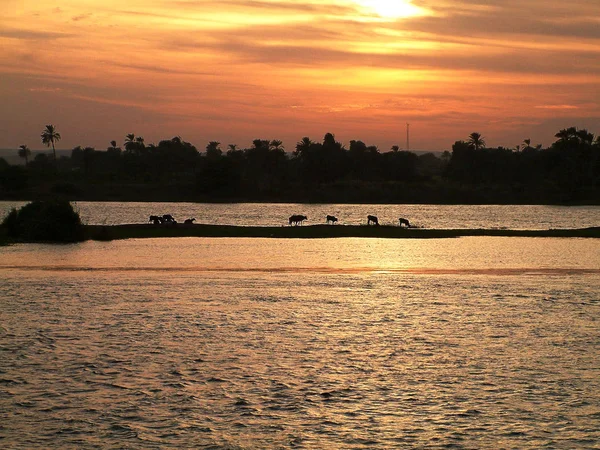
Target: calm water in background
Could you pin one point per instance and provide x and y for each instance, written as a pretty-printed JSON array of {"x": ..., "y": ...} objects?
[
  {"x": 480, "y": 342},
  {"x": 274, "y": 214}
]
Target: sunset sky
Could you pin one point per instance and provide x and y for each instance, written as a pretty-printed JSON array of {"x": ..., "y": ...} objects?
[{"x": 234, "y": 71}]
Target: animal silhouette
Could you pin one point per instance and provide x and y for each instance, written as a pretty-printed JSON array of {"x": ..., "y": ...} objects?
[
  {"x": 404, "y": 221},
  {"x": 297, "y": 219},
  {"x": 331, "y": 219},
  {"x": 189, "y": 221},
  {"x": 372, "y": 219}
]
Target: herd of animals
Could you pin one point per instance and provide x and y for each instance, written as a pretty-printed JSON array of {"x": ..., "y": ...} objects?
[
  {"x": 167, "y": 219},
  {"x": 296, "y": 219},
  {"x": 371, "y": 220}
]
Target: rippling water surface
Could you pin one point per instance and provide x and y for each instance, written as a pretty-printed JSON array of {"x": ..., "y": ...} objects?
[
  {"x": 315, "y": 344},
  {"x": 274, "y": 214}
]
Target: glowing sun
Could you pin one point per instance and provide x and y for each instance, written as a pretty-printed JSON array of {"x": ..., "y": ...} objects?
[{"x": 391, "y": 9}]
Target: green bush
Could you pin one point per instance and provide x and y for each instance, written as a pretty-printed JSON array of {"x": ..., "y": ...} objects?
[{"x": 48, "y": 221}]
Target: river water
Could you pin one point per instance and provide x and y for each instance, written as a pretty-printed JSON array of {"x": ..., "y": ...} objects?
[
  {"x": 478, "y": 342},
  {"x": 274, "y": 214}
]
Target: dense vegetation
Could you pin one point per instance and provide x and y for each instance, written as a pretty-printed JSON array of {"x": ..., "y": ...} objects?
[
  {"x": 566, "y": 172},
  {"x": 44, "y": 221}
]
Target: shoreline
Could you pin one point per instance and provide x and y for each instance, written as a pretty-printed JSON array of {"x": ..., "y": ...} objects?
[{"x": 139, "y": 231}]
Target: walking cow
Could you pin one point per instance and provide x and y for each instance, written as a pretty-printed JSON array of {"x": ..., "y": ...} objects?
[{"x": 297, "y": 219}]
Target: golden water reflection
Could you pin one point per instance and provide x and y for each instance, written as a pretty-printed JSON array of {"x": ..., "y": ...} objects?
[{"x": 474, "y": 254}]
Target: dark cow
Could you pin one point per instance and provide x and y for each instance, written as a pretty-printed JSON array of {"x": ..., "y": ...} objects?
[
  {"x": 168, "y": 218},
  {"x": 297, "y": 219},
  {"x": 372, "y": 219},
  {"x": 404, "y": 221},
  {"x": 156, "y": 220},
  {"x": 331, "y": 219},
  {"x": 189, "y": 221}
]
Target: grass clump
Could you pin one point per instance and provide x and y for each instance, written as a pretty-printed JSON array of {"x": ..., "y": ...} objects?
[{"x": 44, "y": 221}]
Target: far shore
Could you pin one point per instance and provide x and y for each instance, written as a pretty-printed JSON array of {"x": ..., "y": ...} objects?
[{"x": 134, "y": 231}]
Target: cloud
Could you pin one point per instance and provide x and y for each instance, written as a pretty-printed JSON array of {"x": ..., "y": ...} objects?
[
  {"x": 250, "y": 49},
  {"x": 556, "y": 107},
  {"x": 268, "y": 7},
  {"x": 32, "y": 35},
  {"x": 44, "y": 89},
  {"x": 81, "y": 17}
]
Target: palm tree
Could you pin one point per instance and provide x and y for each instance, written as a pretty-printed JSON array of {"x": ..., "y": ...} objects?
[
  {"x": 113, "y": 145},
  {"x": 395, "y": 148},
  {"x": 585, "y": 136},
  {"x": 303, "y": 146},
  {"x": 476, "y": 140},
  {"x": 49, "y": 137},
  {"x": 526, "y": 144},
  {"x": 276, "y": 145},
  {"x": 232, "y": 147},
  {"x": 129, "y": 139},
  {"x": 24, "y": 152},
  {"x": 566, "y": 134}
]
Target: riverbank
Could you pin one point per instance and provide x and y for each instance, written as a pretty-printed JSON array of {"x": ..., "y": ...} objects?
[{"x": 100, "y": 232}]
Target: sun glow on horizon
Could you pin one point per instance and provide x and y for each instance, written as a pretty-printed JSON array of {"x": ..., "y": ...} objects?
[{"x": 392, "y": 9}]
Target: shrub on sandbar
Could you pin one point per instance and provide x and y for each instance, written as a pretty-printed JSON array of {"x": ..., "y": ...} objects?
[{"x": 46, "y": 221}]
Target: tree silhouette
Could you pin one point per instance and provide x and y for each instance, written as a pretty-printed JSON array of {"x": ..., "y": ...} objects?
[
  {"x": 24, "y": 152},
  {"x": 476, "y": 140},
  {"x": 130, "y": 143},
  {"x": 213, "y": 150},
  {"x": 566, "y": 134},
  {"x": 526, "y": 144},
  {"x": 49, "y": 137},
  {"x": 303, "y": 146},
  {"x": 276, "y": 145},
  {"x": 572, "y": 135},
  {"x": 395, "y": 148}
]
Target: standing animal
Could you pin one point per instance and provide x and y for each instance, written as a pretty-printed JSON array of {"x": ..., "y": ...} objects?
[
  {"x": 297, "y": 219},
  {"x": 372, "y": 219},
  {"x": 156, "y": 220},
  {"x": 404, "y": 221},
  {"x": 331, "y": 219},
  {"x": 189, "y": 221},
  {"x": 168, "y": 218}
]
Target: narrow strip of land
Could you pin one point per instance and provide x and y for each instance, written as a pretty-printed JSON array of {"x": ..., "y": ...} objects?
[{"x": 101, "y": 232}]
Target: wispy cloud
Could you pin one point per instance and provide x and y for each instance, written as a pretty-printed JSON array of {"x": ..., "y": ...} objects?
[{"x": 556, "y": 107}]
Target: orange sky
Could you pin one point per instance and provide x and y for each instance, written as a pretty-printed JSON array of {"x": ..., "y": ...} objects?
[{"x": 238, "y": 70}]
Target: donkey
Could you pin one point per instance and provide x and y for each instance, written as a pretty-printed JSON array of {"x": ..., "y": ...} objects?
[
  {"x": 297, "y": 219},
  {"x": 404, "y": 221},
  {"x": 331, "y": 219},
  {"x": 372, "y": 219}
]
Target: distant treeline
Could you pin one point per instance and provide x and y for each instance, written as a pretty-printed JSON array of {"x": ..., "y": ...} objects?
[{"x": 174, "y": 170}]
